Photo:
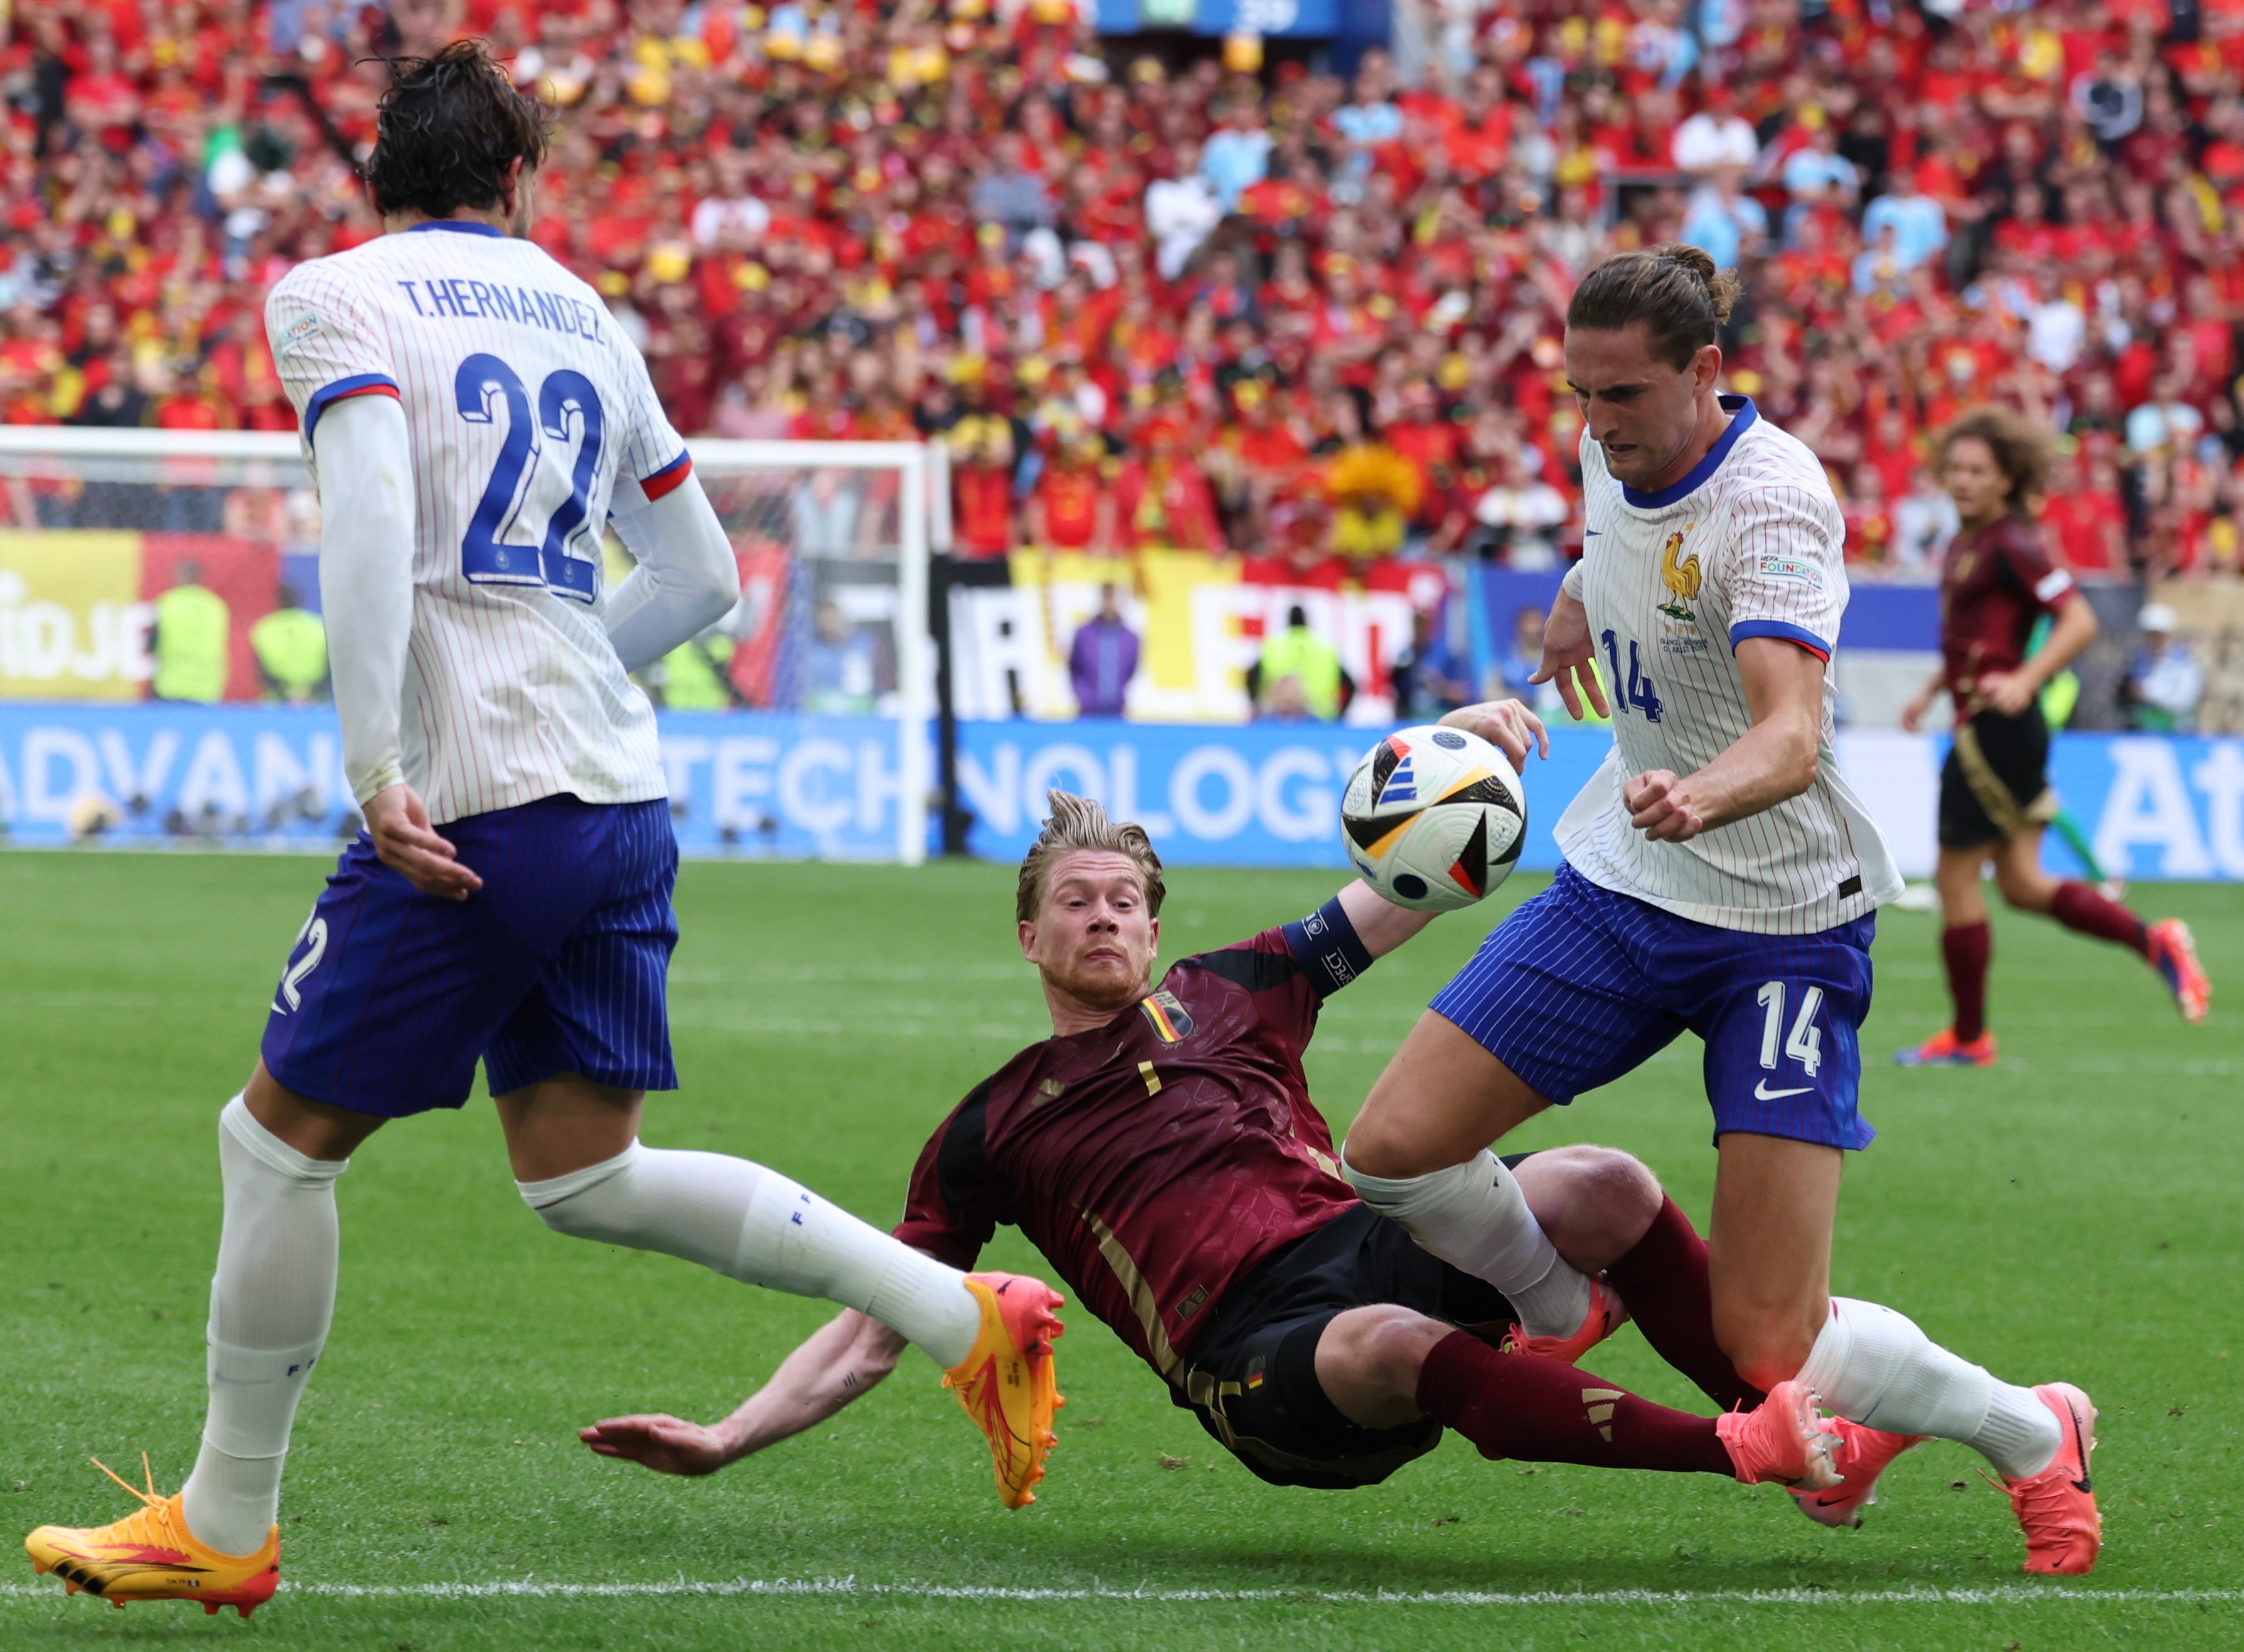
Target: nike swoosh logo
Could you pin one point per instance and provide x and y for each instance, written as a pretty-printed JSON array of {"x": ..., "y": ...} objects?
[
  {"x": 1592, "y": 533},
  {"x": 1762, "y": 1093}
]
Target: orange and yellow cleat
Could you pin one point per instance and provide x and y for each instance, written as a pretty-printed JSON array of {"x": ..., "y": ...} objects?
[
  {"x": 2173, "y": 954},
  {"x": 2057, "y": 1508},
  {"x": 1780, "y": 1439},
  {"x": 1943, "y": 1049},
  {"x": 1006, "y": 1382},
  {"x": 152, "y": 1556},
  {"x": 1607, "y": 1314}
]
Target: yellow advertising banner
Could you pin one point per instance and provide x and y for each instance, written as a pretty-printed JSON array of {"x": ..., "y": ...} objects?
[{"x": 72, "y": 625}]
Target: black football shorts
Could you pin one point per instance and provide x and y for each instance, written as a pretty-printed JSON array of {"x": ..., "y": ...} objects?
[
  {"x": 1250, "y": 1376},
  {"x": 1995, "y": 781}
]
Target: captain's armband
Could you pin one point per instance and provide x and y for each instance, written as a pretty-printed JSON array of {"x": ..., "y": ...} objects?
[{"x": 1326, "y": 945}]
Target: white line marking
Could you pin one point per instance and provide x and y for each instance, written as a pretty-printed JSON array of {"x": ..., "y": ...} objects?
[{"x": 849, "y": 1588}]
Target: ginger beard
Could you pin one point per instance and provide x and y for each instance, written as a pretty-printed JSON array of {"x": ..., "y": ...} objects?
[{"x": 1093, "y": 938}]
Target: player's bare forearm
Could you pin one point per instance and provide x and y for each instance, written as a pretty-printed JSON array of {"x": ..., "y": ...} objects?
[
  {"x": 1775, "y": 759},
  {"x": 1510, "y": 725},
  {"x": 2074, "y": 631},
  {"x": 1379, "y": 924},
  {"x": 842, "y": 1360},
  {"x": 1568, "y": 658}
]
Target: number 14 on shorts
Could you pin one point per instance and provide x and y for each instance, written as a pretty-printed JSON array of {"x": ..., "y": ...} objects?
[{"x": 1804, "y": 1043}]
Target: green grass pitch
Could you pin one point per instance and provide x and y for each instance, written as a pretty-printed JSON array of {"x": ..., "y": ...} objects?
[{"x": 2073, "y": 1213}]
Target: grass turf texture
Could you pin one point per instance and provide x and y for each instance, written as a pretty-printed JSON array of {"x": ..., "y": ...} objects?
[{"x": 2071, "y": 1213}]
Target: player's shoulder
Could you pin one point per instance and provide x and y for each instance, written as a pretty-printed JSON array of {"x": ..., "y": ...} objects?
[
  {"x": 1768, "y": 456},
  {"x": 349, "y": 271},
  {"x": 1257, "y": 964}
]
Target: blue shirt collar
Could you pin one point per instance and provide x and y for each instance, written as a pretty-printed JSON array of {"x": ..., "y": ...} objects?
[
  {"x": 461, "y": 225},
  {"x": 1740, "y": 409}
]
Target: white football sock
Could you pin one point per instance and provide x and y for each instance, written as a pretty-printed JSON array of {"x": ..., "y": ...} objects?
[
  {"x": 1474, "y": 1217},
  {"x": 1873, "y": 1366},
  {"x": 272, "y": 1301},
  {"x": 754, "y": 1224}
]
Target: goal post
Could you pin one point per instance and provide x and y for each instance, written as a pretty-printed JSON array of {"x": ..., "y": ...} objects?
[{"x": 95, "y": 525}]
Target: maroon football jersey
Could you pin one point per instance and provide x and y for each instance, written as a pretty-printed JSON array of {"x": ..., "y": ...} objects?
[
  {"x": 1155, "y": 1160},
  {"x": 1994, "y": 584}
]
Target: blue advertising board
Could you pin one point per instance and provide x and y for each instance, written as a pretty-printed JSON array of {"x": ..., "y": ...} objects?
[{"x": 754, "y": 784}]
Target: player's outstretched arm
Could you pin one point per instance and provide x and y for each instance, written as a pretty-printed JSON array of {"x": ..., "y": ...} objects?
[
  {"x": 364, "y": 461},
  {"x": 687, "y": 578},
  {"x": 841, "y": 1360},
  {"x": 1775, "y": 759},
  {"x": 1568, "y": 653}
]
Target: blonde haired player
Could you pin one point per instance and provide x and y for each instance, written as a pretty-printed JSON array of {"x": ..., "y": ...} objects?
[
  {"x": 1720, "y": 877},
  {"x": 474, "y": 420}
]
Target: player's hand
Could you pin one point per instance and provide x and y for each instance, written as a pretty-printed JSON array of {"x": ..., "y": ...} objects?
[
  {"x": 398, "y": 822},
  {"x": 1569, "y": 658},
  {"x": 667, "y": 1445},
  {"x": 2007, "y": 692},
  {"x": 1660, "y": 806},
  {"x": 1912, "y": 715},
  {"x": 1506, "y": 724}
]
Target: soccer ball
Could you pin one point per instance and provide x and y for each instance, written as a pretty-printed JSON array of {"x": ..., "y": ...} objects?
[{"x": 1434, "y": 818}]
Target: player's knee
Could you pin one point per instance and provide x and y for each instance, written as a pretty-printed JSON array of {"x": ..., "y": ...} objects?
[
  {"x": 2026, "y": 889},
  {"x": 590, "y": 1203},
  {"x": 1594, "y": 1203},
  {"x": 1368, "y": 1359}
]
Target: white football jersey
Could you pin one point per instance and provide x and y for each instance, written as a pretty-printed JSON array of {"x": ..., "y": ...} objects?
[
  {"x": 1749, "y": 544},
  {"x": 527, "y": 410}
]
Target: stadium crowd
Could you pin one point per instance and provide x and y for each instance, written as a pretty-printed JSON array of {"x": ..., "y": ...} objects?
[{"x": 1226, "y": 300}]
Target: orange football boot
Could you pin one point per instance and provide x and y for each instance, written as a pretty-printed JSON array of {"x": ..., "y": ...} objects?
[
  {"x": 1780, "y": 1439},
  {"x": 2173, "y": 954},
  {"x": 1943, "y": 1049},
  {"x": 1607, "y": 1314},
  {"x": 1006, "y": 1381},
  {"x": 152, "y": 1556},
  {"x": 2057, "y": 1508}
]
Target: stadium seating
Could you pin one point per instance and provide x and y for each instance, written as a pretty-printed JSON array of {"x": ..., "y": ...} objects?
[{"x": 1201, "y": 284}]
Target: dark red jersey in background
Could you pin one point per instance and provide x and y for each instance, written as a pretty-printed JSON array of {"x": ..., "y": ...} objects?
[{"x": 1994, "y": 584}]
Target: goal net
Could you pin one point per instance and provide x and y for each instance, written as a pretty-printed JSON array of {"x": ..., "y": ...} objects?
[{"x": 162, "y": 647}]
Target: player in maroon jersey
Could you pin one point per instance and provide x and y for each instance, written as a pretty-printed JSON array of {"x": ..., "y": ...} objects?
[
  {"x": 1161, "y": 1149},
  {"x": 1995, "y": 797}
]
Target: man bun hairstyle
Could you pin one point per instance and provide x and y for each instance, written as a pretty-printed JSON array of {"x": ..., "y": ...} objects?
[
  {"x": 2024, "y": 450},
  {"x": 1078, "y": 824},
  {"x": 446, "y": 131},
  {"x": 1673, "y": 289}
]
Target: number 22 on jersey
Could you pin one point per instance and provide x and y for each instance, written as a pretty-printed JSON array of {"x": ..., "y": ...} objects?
[
  {"x": 488, "y": 556},
  {"x": 1639, "y": 693}
]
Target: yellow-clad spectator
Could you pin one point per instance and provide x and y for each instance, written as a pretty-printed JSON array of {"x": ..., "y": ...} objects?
[
  {"x": 291, "y": 645},
  {"x": 192, "y": 628}
]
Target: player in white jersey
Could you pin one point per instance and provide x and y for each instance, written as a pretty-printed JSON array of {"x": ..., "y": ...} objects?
[
  {"x": 1718, "y": 877},
  {"x": 475, "y": 420}
]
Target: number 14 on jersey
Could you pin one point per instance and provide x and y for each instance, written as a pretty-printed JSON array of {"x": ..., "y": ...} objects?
[{"x": 1639, "y": 693}]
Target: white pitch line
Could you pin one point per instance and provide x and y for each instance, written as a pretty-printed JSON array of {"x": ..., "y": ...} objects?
[{"x": 847, "y": 1588}]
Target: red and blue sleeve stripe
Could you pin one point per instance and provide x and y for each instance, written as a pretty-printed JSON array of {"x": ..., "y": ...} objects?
[
  {"x": 1784, "y": 631},
  {"x": 666, "y": 478},
  {"x": 343, "y": 390}
]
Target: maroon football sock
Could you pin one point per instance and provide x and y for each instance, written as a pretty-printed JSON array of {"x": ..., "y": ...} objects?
[
  {"x": 2079, "y": 906},
  {"x": 1539, "y": 1411},
  {"x": 1662, "y": 1281},
  {"x": 1966, "y": 947}
]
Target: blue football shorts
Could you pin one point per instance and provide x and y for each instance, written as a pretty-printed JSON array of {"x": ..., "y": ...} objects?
[
  {"x": 556, "y": 964},
  {"x": 1580, "y": 985}
]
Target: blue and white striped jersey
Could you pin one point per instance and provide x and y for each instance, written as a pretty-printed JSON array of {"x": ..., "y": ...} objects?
[
  {"x": 1749, "y": 544},
  {"x": 528, "y": 412}
]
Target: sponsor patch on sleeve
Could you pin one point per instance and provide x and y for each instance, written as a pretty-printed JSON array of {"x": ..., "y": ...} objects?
[
  {"x": 2053, "y": 584},
  {"x": 1794, "y": 567},
  {"x": 300, "y": 332}
]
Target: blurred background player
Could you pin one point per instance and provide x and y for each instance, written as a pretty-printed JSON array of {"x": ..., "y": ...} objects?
[
  {"x": 1161, "y": 1149},
  {"x": 487, "y": 675},
  {"x": 1719, "y": 876},
  {"x": 1997, "y": 580}
]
